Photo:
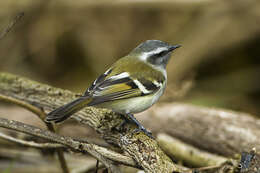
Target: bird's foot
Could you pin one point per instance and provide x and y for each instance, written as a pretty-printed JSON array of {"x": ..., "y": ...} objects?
[
  {"x": 142, "y": 129},
  {"x": 140, "y": 126},
  {"x": 122, "y": 124}
]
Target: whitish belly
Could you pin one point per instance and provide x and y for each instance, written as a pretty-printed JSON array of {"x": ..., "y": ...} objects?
[{"x": 133, "y": 105}]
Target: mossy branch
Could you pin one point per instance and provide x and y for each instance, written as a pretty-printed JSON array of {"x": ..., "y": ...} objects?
[
  {"x": 75, "y": 145},
  {"x": 140, "y": 150},
  {"x": 103, "y": 121}
]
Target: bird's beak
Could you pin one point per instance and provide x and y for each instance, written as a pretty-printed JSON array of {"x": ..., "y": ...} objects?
[{"x": 171, "y": 48}]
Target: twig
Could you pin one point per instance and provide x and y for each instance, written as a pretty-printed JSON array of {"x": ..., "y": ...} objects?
[
  {"x": 30, "y": 143},
  {"x": 219, "y": 131},
  {"x": 25, "y": 105},
  {"x": 37, "y": 111},
  {"x": 96, "y": 171},
  {"x": 187, "y": 153},
  {"x": 11, "y": 25},
  {"x": 108, "y": 158},
  {"x": 62, "y": 161},
  {"x": 102, "y": 120}
]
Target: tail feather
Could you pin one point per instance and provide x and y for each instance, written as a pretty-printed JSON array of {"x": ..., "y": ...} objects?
[{"x": 65, "y": 111}]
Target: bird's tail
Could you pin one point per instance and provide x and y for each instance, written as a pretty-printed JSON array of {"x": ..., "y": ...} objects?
[{"x": 65, "y": 111}]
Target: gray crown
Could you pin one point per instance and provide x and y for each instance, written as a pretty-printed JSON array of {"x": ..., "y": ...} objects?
[{"x": 150, "y": 45}]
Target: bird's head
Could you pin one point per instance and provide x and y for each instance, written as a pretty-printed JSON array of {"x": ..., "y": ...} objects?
[{"x": 155, "y": 52}]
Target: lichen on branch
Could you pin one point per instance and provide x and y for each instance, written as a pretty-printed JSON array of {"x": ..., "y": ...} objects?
[{"x": 144, "y": 150}]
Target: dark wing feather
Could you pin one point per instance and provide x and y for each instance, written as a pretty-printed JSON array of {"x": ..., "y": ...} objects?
[
  {"x": 120, "y": 89},
  {"x": 114, "y": 96},
  {"x": 149, "y": 85},
  {"x": 110, "y": 86},
  {"x": 97, "y": 82}
]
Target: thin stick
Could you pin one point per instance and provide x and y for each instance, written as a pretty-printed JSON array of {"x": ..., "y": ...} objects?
[
  {"x": 63, "y": 163},
  {"x": 97, "y": 166},
  {"x": 30, "y": 143},
  {"x": 11, "y": 25},
  {"x": 187, "y": 153},
  {"x": 41, "y": 115},
  {"x": 106, "y": 156},
  {"x": 62, "y": 160},
  {"x": 25, "y": 105},
  {"x": 101, "y": 120}
]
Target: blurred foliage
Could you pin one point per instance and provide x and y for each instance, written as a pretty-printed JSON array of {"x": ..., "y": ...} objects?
[{"x": 69, "y": 43}]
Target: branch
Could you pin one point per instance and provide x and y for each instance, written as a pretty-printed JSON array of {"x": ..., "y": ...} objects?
[
  {"x": 102, "y": 120},
  {"x": 31, "y": 159},
  {"x": 137, "y": 146},
  {"x": 218, "y": 131},
  {"x": 187, "y": 153},
  {"x": 75, "y": 145},
  {"x": 63, "y": 163},
  {"x": 25, "y": 105},
  {"x": 11, "y": 25},
  {"x": 41, "y": 115},
  {"x": 30, "y": 143}
]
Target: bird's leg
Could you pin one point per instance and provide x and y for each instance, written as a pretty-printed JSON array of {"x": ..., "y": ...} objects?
[
  {"x": 123, "y": 123},
  {"x": 140, "y": 126}
]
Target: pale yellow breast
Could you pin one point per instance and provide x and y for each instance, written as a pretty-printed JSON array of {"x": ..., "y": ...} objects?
[{"x": 133, "y": 105}]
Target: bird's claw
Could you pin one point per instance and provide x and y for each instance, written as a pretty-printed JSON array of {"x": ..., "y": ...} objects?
[
  {"x": 131, "y": 118},
  {"x": 142, "y": 129},
  {"x": 122, "y": 124}
]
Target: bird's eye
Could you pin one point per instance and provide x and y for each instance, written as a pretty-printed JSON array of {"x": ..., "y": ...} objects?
[
  {"x": 162, "y": 53},
  {"x": 158, "y": 55}
]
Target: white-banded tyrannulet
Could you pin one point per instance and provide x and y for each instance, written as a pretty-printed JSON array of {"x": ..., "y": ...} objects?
[{"x": 131, "y": 85}]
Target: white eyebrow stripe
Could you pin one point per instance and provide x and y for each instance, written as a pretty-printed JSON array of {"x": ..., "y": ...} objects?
[
  {"x": 104, "y": 75},
  {"x": 157, "y": 83},
  {"x": 120, "y": 76},
  {"x": 141, "y": 87},
  {"x": 95, "y": 81},
  {"x": 108, "y": 71},
  {"x": 147, "y": 54}
]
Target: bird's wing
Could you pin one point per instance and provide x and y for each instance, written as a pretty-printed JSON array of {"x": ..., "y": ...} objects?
[{"x": 109, "y": 87}]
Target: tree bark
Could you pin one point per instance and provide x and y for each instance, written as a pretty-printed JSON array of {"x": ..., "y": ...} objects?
[
  {"x": 215, "y": 130},
  {"x": 144, "y": 150},
  {"x": 218, "y": 131}
]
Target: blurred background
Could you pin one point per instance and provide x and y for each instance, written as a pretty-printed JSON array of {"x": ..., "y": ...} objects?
[{"x": 67, "y": 44}]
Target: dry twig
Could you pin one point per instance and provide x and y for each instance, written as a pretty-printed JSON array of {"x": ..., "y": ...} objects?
[
  {"x": 37, "y": 111},
  {"x": 108, "y": 157},
  {"x": 30, "y": 143},
  {"x": 102, "y": 120},
  {"x": 214, "y": 130},
  {"x": 11, "y": 25},
  {"x": 187, "y": 153}
]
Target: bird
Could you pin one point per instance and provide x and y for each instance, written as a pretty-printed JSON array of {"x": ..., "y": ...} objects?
[{"x": 131, "y": 85}]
